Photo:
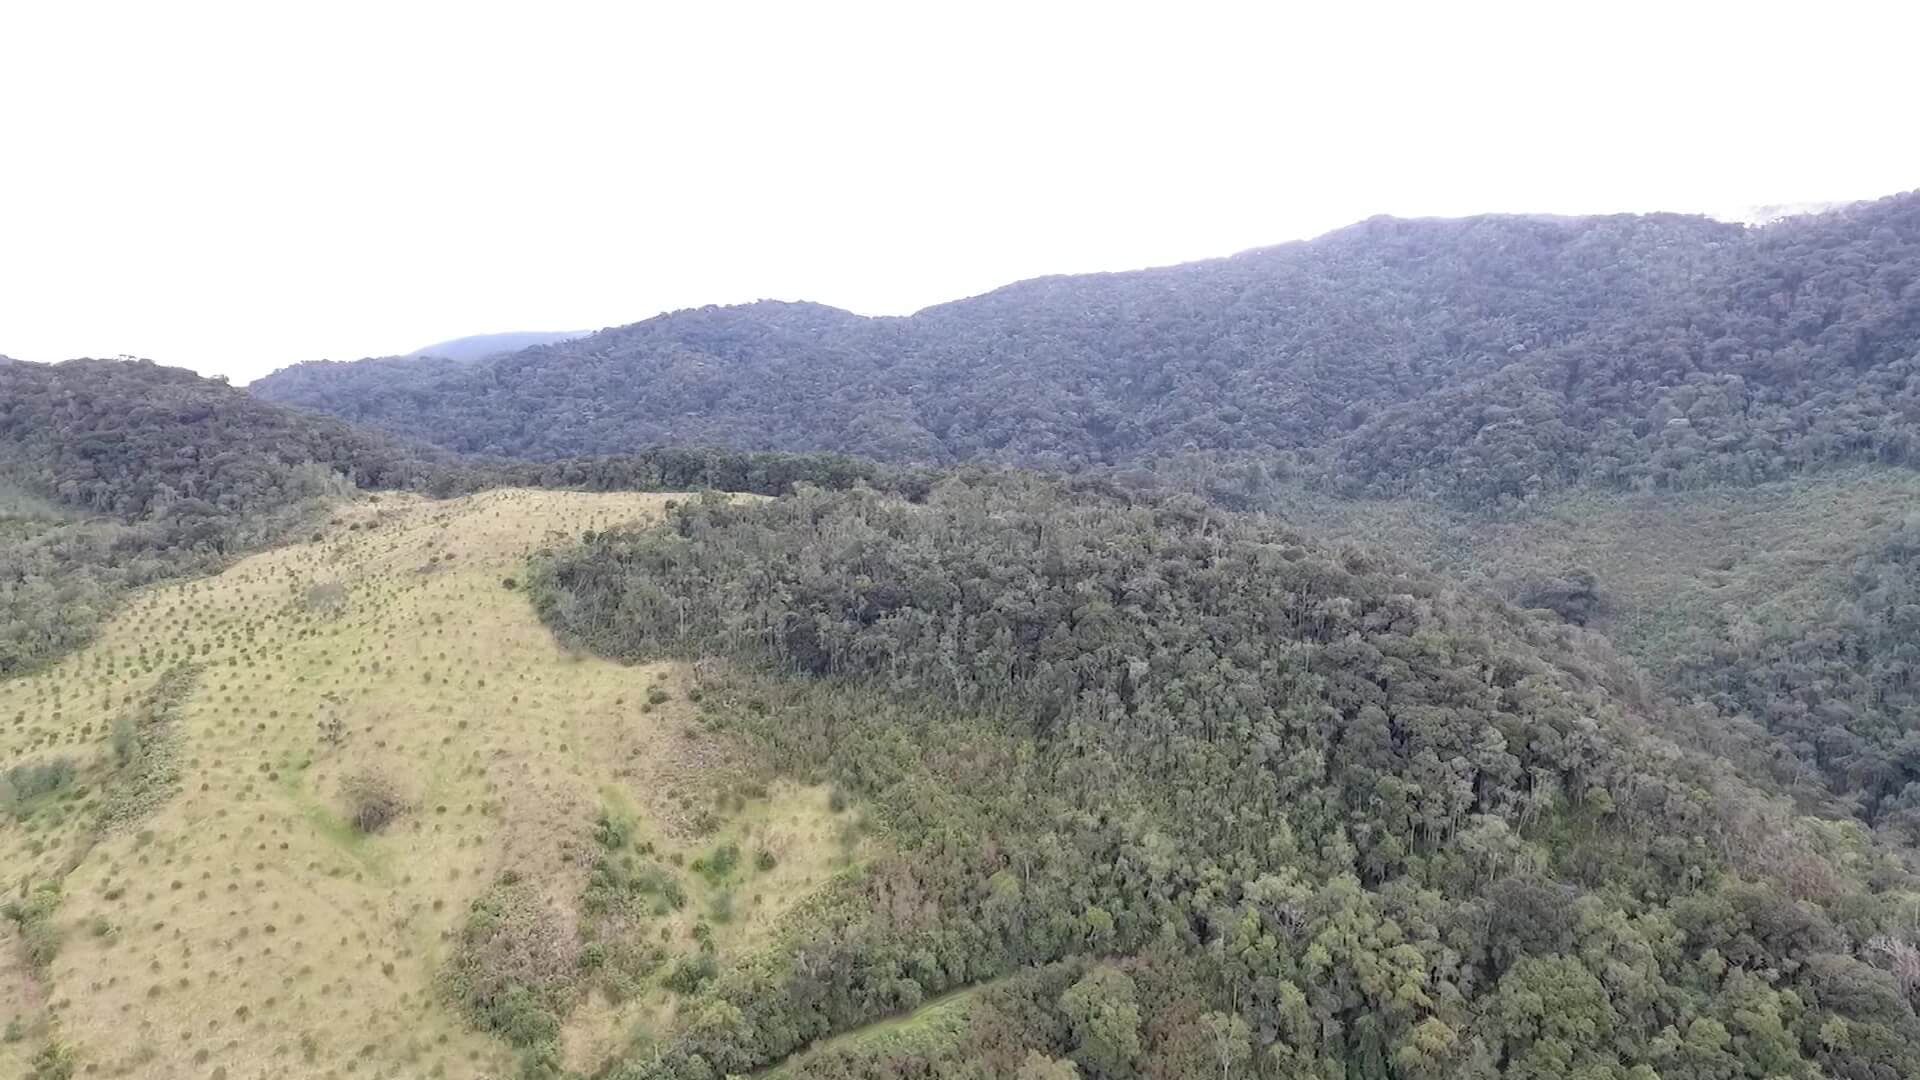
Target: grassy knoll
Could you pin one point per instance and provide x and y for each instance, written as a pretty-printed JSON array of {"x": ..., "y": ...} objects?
[{"x": 194, "y": 785}]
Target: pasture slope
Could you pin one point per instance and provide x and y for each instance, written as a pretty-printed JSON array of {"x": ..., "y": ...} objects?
[{"x": 190, "y": 895}]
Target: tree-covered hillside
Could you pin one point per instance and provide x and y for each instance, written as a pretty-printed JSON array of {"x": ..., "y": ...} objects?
[
  {"x": 139, "y": 472},
  {"x": 1790, "y": 605},
  {"x": 1193, "y": 796},
  {"x": 1483, "y": 358},
  {"x": 136, "y": 439},
  {"x": 114, "y": 474}
]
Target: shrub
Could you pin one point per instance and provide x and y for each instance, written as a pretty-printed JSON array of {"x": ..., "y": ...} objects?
[
  {"x": 39, "y": 938},
  {"x": 612, "y": 833},
  {"x": 53, "y": 1062},
  {"x": 24, "y": 783},
  {"x": 689, "y": 973},
  {"x": 126, "y": 739},
  {"x": 515, "y": 970},
  {"x": 719, "y": 863},
  {"x": 146, "y": 746},
  {"x": 373, "y": 800}
]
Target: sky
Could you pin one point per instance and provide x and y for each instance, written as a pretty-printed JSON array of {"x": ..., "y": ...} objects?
[{"x": 238, "y": 187}]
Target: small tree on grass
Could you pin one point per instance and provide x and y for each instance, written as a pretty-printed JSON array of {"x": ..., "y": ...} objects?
[{"x": 373, "y": 800}]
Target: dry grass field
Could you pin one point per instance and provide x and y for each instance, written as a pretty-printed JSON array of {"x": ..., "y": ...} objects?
[{"x": 199, "y": 887}]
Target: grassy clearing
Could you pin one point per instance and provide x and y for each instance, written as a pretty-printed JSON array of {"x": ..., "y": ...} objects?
[
  {"x": 923, "y": 1029},
  {"x": 1677, "y": 569},
  {"x": 242, "y": 923}
]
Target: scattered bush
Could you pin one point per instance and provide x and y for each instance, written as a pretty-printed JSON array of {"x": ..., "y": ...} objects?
[
  {"x": 719, "y": 863},
  {"x": 53, "y": 1062},
  {"x": 33, "y": 915},
  {"x": 145, "y": 747},
  {"x": 612, "y": 833},
  {"x": 24, "y": 783},
  {"x": 515, "y": 969},
  {"x": 373, "y": 800},
  {"x": 689, "y": 973}
]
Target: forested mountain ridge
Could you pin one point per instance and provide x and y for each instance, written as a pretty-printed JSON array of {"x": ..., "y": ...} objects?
[
  {"x": 129, "y": 472},
  {"x": 148, "y": 472},
  {"x": 1481, "y": 358},
  {"x": 134, "y": 438}
]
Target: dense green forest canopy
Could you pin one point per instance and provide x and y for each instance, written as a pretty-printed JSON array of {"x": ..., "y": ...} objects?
[
  {"x": 1482, "y": 359},
  {"x": 1197, "y": 797}
]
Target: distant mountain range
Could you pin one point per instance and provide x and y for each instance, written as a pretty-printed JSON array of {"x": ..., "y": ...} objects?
[
  {"x": 1481, "y": 358},
  {"x": 481, "y": 346}
]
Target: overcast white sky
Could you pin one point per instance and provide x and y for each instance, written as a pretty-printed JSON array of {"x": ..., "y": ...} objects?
[{"x": 236, "y": 187}]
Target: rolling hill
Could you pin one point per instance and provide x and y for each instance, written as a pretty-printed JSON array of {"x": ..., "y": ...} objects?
[
  {"x": 1453, "y": 649},
  {"x": 211, "y": 902},
  {"x": 1024, "y": 776},
  {"x": 1181, "y": 793},
  {"x": 1554, "y": 408},
  {"x": 116, "y": 474}
]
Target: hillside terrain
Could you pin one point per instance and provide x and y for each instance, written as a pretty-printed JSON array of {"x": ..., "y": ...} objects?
[
  {"x": 1184, "y": 794},
  {"x": 114, "y": 475},
  {"x": 118, "y": 474},
  {"x": 1546, "y": 397},
  {"x": 211, "y": 903},
  {"x": 1786, "y": 607},
  {"x": 1446, "y": 649},
  {"x": 1480, "y": 360},
  {"x": 1001, "y": 781}
]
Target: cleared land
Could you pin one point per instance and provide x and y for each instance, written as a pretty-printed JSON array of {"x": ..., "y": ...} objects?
[
  {"x": 1678, "y": 571},
  {"x": 219, "y": 913}
]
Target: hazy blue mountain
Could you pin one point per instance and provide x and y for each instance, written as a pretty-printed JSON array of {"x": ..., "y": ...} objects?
[{"x": 481, "y": 346}]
